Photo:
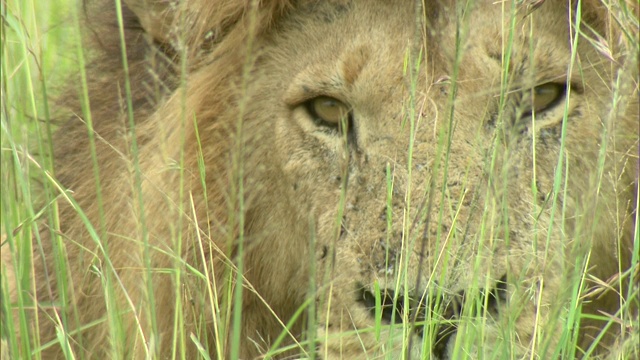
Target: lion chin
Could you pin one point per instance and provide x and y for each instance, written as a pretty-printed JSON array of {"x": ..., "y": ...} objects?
[{"x": 345, "y": 180}]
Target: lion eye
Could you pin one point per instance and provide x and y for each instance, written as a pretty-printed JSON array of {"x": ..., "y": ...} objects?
[
  {"x": 546, "y": 96},
  {"x": 328, "y": 111}
]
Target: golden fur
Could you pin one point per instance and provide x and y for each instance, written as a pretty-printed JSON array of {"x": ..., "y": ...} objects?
[{"x": 441, "y": 193}]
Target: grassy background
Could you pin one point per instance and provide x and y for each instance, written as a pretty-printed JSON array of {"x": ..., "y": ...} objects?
[{"x": 37, "y": 48}]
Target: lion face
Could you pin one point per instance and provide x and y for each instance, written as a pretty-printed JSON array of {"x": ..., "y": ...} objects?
[
  {"x": 426, "y": 189},
  {"x": 424, "y": 179}
]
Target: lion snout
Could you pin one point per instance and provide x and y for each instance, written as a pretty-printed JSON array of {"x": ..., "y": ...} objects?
[{"x": 434, "y": 313}]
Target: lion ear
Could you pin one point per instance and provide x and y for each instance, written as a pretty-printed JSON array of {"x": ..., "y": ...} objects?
[
  {"x": 155, "y": 16},
  {"x": 193, "y": 20}
]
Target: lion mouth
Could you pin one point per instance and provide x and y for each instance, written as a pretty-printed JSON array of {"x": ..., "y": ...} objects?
[{"x": 436, "y": 315}]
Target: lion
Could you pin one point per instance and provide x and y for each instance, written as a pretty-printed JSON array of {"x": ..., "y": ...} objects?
[{"x": 345, "y": 179}]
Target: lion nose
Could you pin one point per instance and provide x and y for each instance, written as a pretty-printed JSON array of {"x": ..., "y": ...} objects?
[
  {"x": 446, "y": 328},
  {"x": 392, "y": 308},
  {"x": 489, "y": 301}
]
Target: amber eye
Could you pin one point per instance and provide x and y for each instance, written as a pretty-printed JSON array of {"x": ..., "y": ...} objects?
[
  {"x": 328, "y": 111},
  {"x": 546, "y": 96}
]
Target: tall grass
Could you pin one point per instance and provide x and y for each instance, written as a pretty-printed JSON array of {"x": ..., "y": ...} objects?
[
  {"x": 36, "y": 52},
  {"x": 40, "y": 50}
]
